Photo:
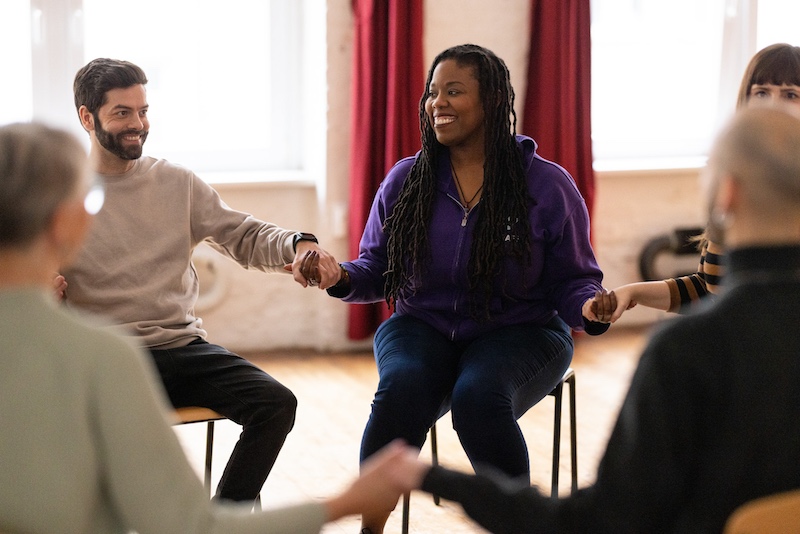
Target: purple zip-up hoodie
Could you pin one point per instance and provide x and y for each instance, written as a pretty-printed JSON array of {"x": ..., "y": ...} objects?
[{"x": 562, "y": 274}]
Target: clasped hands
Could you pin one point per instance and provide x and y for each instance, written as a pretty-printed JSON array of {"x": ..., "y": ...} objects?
[
  {"x": 385, "y": 476},
  {"x": 605, "y": 307},
  {"x": 313, "y": 266}
]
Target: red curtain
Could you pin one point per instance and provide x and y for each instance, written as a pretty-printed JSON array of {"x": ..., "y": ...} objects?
[
  {"x": 387, "y": 83},
  {"x": 557, "y": 110}
]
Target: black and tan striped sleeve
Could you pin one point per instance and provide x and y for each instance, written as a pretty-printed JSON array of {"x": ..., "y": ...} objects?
[{"x": 687, "y": 289}]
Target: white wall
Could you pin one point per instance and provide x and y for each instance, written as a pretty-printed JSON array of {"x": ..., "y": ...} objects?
[{"x": 259, "y": 312}]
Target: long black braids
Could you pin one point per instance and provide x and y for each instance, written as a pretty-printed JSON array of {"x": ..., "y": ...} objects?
[{"x": 502, "y": 223}]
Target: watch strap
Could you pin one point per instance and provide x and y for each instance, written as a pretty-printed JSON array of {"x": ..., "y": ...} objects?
[{"x": 303, "y": 236}]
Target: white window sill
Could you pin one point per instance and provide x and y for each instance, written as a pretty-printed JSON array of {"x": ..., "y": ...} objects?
[
  {"x": 258, "y": 178},
  {"x": 649, "y": 164}
]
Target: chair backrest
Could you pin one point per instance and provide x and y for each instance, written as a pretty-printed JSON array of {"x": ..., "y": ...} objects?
[{"x": 773, "y": 514}]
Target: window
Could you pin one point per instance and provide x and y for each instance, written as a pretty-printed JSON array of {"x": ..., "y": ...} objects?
[
  {"x": 655, "y": 76},
  {"x": 228, "y": 82},
  {"x": 665, "y": 74},
  {"x": 777, "y": 22},
  {"x": 16, "y": 89}
]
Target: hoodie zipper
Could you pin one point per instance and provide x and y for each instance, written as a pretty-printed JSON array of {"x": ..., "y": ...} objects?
[{"x": 464, "y": 219}]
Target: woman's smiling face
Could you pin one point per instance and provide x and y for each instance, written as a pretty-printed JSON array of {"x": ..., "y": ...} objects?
[{"x": 454, "y": 105}]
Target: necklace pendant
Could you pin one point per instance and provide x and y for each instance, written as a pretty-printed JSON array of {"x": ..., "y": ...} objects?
[{"x": 464, "y": 220}]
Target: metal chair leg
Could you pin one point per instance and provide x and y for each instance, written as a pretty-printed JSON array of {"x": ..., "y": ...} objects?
[
  {"x": 434, "y": 456},
  {"x": 406, "y": 506},
  {"x": 569, "y": 379},
  {"x": 573, "y": 428},
  {"x": 556, "y": 393},
  {"x": 209, "y": 452}
]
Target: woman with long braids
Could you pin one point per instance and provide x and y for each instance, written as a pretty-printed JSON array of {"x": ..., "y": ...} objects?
[{"x": 481, "y": 247}]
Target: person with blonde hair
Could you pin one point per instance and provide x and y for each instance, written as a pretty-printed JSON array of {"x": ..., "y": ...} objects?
[{"x": 85, "y": 444}]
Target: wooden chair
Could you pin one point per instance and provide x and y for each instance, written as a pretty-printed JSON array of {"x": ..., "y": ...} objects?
[
  {"x": 773, "y": 514},
  {"x": 568, "y": 378}
]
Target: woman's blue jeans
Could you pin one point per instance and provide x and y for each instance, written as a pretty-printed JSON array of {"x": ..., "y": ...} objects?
[{"x": 488, "y": 383}]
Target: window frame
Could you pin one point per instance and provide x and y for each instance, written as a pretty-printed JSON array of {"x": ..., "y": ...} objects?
[{"x": 57, "y": 52}]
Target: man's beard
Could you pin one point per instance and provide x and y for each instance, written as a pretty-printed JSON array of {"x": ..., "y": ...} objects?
[{"x": 113, "y": 143}]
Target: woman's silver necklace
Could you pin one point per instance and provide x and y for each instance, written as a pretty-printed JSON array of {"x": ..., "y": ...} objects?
[{"x": 467, "y": 203}]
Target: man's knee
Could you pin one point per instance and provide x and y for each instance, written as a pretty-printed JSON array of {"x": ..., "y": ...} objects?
[
  {"x": 273, "y": 407},
  {"x": 289, "y": 403}
]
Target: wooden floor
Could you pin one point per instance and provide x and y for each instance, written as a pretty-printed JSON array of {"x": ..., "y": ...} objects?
[{"x": 334, "y": 393}]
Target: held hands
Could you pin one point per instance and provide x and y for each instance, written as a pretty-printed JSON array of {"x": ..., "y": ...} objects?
[
  {"x": 313, "y": 266},
  {"x": 608, "y": 306},
  {"x": 398, "y": 465},
  {"x": 625, "y": 300},
  {"x": 385, "y": 476}
]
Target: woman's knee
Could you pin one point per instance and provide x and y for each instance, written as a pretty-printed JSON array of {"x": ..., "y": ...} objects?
[
  {"x": 409, "y": 397},
  {"x": 405, "y": 395},
  {"x": 479, "y": 407},
  {"x": 413, "y": 378}
]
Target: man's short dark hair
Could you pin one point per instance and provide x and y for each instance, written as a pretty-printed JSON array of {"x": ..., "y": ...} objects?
[{"x": 99, "y": 76}]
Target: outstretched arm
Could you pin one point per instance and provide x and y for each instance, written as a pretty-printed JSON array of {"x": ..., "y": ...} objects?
[
  {"x": 609, "y": 306},
  {"x": 495, "y": 501}
]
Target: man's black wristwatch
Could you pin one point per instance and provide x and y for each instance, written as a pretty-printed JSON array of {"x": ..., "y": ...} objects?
[{"x": 303, "y": 236}]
